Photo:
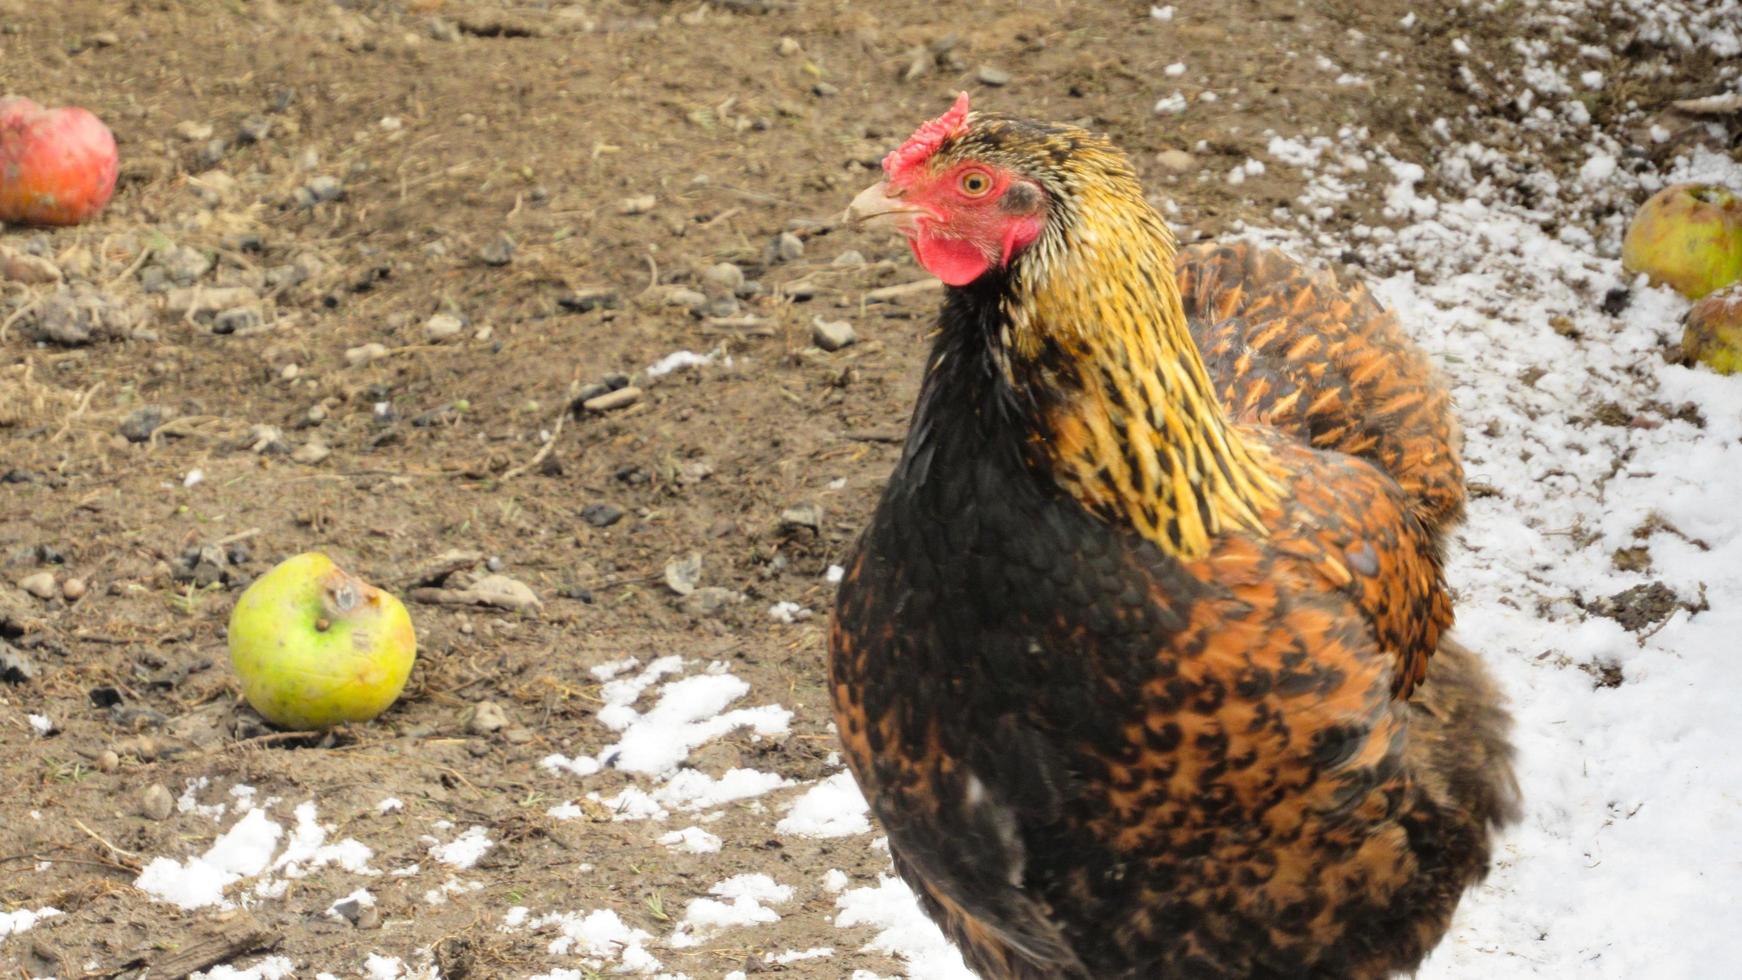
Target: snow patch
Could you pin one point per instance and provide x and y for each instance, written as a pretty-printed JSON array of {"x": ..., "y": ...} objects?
[{"x": 831, "y": 808}]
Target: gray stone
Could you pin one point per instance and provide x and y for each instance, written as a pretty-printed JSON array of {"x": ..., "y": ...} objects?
[
  {"x": 42, "y": 585},
  {"x": 497, "y": 251},
  {"x": 442, "y": 326},
  {"x": 487, "y": 717},
  {"x": 237, "y": 319},
  {"x": 254, "y": 129},
  {"x": 725, "y": 276},
  {"x": 310, "y": 453},
  {"x": 601, "y": 515},
  {"x": 183, "y": 265},
  {"x": 142, "y": 422},
  {"x": 994, "y": 77},
  {"x": 786, "y": 247},
  {"x": 709, "y": 600},
  {"x": 156, "y": 803},
  {"x": 682, "y": 575},
  {"x": 832, "y": 334},
  {"x": 805, "y": 516}
]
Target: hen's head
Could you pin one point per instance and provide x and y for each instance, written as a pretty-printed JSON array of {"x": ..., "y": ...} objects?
[{"x": 974, "y": 192}]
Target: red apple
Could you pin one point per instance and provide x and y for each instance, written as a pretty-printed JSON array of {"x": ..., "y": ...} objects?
[
  {"x": 57, "y": 166},
  {"x": 1687, "y": 237},
  {"x": 1712, "y": 333}
]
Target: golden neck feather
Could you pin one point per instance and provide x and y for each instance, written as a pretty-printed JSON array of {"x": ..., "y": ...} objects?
[{"x": 1098, "y": 340}]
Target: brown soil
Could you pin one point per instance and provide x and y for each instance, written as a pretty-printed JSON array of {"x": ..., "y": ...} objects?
[{"x": 447, "y": 126}]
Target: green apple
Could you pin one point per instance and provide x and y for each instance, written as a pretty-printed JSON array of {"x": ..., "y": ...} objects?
[
  {"x": 1688, "y": 237},
  {"x": 1712, "y": 332},
  {"x": 315, "y": 646}
]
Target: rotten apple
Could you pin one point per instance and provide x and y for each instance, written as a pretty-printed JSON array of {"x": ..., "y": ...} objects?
[{"x": 315, "y": 646}]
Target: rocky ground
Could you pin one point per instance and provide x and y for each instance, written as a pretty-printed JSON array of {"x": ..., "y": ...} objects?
[{"x": 556, "y": 292}]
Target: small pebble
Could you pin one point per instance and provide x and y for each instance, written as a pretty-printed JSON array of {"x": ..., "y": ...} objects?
[
  {"x": 108, "y": 761},
  {"x": 192, "y": 131},
  {"x": 497, "y": 251},
  {"x": 639, "y": 204},
  {"x": 156, "y": 803},
  {"x": 682, "y": 575},
  {"x": 1178, "y": 161},
  {"x": 678, "y": 296},
  {"x": 42, "y": 585},
  {"x": 994, "y": 77},
  {"x": 236, "y": 320},
  {"x": 267, "y": 439},
  {"x": 142, "y": 422},
  {"x": 850, "y": 259},
  {"x": 787, "y": 247},
  {"x": 587, "y": 300},
  {"x": 787, "y": 47},
  {"x": 442, "y": 326},
  {"x": 310, "y": 453},
  {"x": 363, "y": 354},
  {"x": 254, "y": 129},
  {"x": 601, "y": 515},
  {"x": 487, "y": 717},
  {"x": 709, "y": 600},
  {"x": 832, "y": 335},
  {"x": 724, "y": 275},
  {"x": 73, "y": 589},
  {"x": 621, "y": 398},
  {"x": 319, "y": 191},
  {"x": 806, "y": 516}
]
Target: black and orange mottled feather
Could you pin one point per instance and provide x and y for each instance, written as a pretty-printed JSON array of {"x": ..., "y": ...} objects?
[
  {"x": 1317, "y": 357},
  {"x": 1133, "y": 661}
]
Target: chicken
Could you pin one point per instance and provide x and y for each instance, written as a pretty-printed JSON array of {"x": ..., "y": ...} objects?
[{"x": 1133, "y": 659}]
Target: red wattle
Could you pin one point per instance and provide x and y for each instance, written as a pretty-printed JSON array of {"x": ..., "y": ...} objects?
[{"x": 956, "y": 261}]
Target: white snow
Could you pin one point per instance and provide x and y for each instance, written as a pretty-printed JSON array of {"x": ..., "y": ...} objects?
[
  {"x": 307, "y": 848},
  {"x": 678, "y": 360},
  {"x": 247, "y": 850},
  {"x": 747, "y": 898},
  {"x": 392, "y": 804},
  {"x": 268, "y": 968},
  {"x": 690, "y": 712},
  {"x": 798, "y": 955},
  {"x": 189, "y": 800},
  {"x": 40, "y": 723},
  {"x": 831, "y": 808},
  {"x": 902, "y": 930},
  {"x": 13, "y": 923},
  {"x": 600, "y": 938},
  {"x": 361, "y": 896},
  {"x": 687, "y": 790},
  {"x": 1171, "y": 105},
  {"x": 243, "y": 851},
  {"x": 464, "y": 850},
  {"x": 379, "y": 967},
  {"x": 788, "y": 612},
  {"x": 694, "y": 840},
  {"x": 440, "y": 894}
]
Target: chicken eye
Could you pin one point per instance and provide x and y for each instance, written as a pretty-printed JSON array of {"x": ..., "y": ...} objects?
[{"x": 975, "y": 183}]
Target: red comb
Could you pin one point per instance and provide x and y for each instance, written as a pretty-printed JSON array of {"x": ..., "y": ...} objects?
[{"x": 926, "y": 139}]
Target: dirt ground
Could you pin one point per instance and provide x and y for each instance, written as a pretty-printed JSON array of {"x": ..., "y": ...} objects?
[{"x": 303, "y": 179}]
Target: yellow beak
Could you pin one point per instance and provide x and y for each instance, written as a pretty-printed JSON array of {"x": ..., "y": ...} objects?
[{"x": 875, "y": 207}]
